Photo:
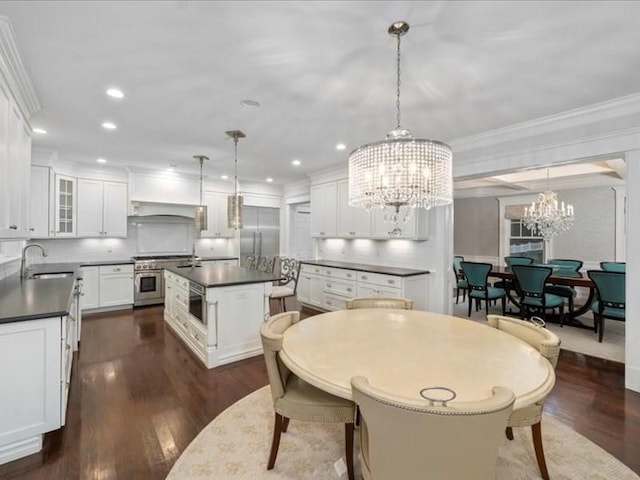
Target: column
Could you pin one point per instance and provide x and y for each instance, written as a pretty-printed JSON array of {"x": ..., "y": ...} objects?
[{"x": 632, "y": 335}]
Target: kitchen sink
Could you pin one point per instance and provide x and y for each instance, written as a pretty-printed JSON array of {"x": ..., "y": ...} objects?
[{"x": 43, "y": 276}]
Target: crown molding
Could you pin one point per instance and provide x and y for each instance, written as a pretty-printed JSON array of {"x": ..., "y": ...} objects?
[{"x": 13, "y": 70}]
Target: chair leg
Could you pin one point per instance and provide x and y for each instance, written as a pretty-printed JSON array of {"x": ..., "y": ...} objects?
[
  {"x": 285, "y": 424},
  {"x": 486, "y": 305},
  {"x": 348, "y": 442},
  {"x": 457, "y": 294},
  {"x": 562, "y": 314},
  {"x": 277, "y": 429},
  {"x": 470, "y": 303},
  {"x": 504, "y": 305},
  {"x": 283, "y": 302},
  {"x": 464, "y": 294},
  {"x": 536, "y": 433},
  {"x": 595, "y": 322},
  {"x": 509, "y": 433}
]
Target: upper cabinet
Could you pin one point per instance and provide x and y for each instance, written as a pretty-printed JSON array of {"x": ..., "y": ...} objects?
[
  {"x": 324, "y": 209},
  {"x": 353, "y": 222},
  {"x": 65, "y": 206},
  {"x": 102, "y": 208},
  {"x": 217, "y": 226},
  {"x": 41, "y": 192}
]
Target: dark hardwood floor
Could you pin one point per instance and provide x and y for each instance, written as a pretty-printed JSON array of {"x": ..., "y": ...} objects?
[{"x": 138, "y": 398}]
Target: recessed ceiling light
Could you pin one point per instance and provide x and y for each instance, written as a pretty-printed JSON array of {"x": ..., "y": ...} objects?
[
  {"x": 295, "y": 162},
  {"x": 224, "y": 177},
  {"x": 341, "y": 146},
  {"x": 41, "y": 131},
  {"x": 269, "y": 179},
  {"x": 109, "y": 125},
  {"x": 115, "y": 93},
  {"x": 101, "y": 160},
  {"x": 250, "y": 103}
]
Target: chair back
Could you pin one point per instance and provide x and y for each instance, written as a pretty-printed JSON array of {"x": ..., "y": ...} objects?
[
  {"x": 379, "y": 302},
  {"x": 610, "y": 287},
  {"x": 613, "y": 266},
  {"x": 251, "y": 262},
  {"x": 530, "y": 280},
  {"x": 572, "y": 265},
  {"x": 543, "y": 340},
  {"x": 266, "y": 264},
  {"x": 409, "y": 439},
  {"x": 477, "y": 274},
  {"x": 514, "y": 260},
  {"x": 271, "y": 334},
  {"x": 457, "y": 268},
  {"x": 290, "y": 272}
]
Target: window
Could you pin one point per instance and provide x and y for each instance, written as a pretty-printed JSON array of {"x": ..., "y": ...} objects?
[{"x": 524, "y": 243}]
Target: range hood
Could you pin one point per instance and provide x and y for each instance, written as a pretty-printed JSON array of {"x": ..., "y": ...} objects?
[{"x": 147, "y": 209}]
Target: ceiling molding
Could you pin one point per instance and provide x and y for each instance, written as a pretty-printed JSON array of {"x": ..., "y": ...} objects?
[{"x": 14, "y": 73}]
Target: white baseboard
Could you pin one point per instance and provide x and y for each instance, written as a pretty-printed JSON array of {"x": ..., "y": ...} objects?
[
  {"x": 19, "y": 449},
  {"x": 632, "y": 378}
]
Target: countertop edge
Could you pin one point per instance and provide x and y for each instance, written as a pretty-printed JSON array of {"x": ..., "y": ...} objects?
[{"x": 395, "y": 271}]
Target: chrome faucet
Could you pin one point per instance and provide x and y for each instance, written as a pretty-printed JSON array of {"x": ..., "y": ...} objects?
[{"x": 23, "y": 261}]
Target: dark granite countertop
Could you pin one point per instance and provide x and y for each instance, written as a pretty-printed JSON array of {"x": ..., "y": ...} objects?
[
  {"x": 97, "y": 263},
  {"x": 363, "y": 267},
  {"x": 222, "y": 275},
  {"x": 217, "y": 258},
  {"x": 26, "y": 299}
]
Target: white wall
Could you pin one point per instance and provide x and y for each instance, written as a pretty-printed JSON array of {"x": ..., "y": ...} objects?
[{"x": 10, "y": 253}]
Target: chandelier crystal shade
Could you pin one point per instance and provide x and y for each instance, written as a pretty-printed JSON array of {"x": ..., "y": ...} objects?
[
  {"x": 400, "y": 173},
  {"x": 200, "y": 212},
  {"x": 235, "y": 201},
  {"x": 546, "y": 217}
]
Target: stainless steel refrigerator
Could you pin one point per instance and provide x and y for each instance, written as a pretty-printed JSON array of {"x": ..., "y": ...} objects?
[{"x": 260, "y": 235}]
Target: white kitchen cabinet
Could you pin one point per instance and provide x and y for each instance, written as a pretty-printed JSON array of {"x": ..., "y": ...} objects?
[
  {"x": 102, "y": 208},
  {"x": 324, "y": 210},
  {"x": 353, "y": 222},
  {"x": 65, "y": 206},
  {"x": 41, "y": 197},
  {"x": 116, "y": 285},
  {"x": 217, "y": 216},
  {"x": 90, "y": 288},
  {"x": 416, "y": 228},
  {"x": 227, "y": 262}
]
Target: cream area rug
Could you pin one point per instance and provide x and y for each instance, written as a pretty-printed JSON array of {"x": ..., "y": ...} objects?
[{"x": 235, "y": 445}]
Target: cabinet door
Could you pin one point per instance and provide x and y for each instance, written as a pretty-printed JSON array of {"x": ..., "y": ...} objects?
[
  {"x": 5, "y": 177},
  {"x": 90, "y": 208},
  {"x": 352, "y": 221},
  {"x": 39, "y": 221},
  {"x": 324, "y": 209},
  {"x": 116, "y": 289},
  {"x": 217, "y": 216},
  {"x": 115, "y": 209},
  {"x": 90, "y": 297},
  {"x": 65, "y": 206},
  {"x": 384, "y": 229}
]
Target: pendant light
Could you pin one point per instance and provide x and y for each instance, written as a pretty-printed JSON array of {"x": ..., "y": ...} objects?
[
  {"x": 235, "y": 202},
  {"x": 400, "y": 173},
  {"x": 201, "y": 210}
]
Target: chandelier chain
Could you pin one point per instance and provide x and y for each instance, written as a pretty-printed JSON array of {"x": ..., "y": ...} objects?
[{"x": 398, "y": 81}]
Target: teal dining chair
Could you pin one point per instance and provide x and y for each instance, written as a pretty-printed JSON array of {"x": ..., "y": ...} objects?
[
  {"x": 530, "y": 283},
  {"x": 613, "y": 266},
  {"x": 461, "y": 280},
  {"x": 611, "y": 300},
  {"x": 564, "y": 291},
  {"x": 479, "y": 290},
  {"x": 510, "y": 261}
]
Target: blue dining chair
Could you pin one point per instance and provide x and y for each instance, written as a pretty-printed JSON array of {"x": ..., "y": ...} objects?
[
  {"x": 510, "y": 261},
  {"x": 530, "y": 283},
  {"x": 564, "y": 291},
  {"x": 461, "y": 280},
  {"x": 611, "y": 301},
  {"x": 613, "y": 266},
  {"x": 479, "y": 290}
]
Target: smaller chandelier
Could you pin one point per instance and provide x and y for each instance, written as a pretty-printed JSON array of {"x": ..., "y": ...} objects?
[
  {"x": 546, "y": 218},
  {"x": 400, "y": 173},
  {"x": 235, "y": 201}
]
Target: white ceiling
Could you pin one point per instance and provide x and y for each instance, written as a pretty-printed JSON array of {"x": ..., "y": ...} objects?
[{"x": 324, "y": 72}]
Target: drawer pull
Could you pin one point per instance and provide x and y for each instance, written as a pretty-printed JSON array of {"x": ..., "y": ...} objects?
[
  {"x": 197, "y": 337},
  {"x": 349, "y": 289},
  {"x": 391, "y": 281},
  {"x": 328, "y": 285},
  {"x": 364, "y": 277},
  {"x": 117, "y": 269},
  {"x": 349, "y": 275}
]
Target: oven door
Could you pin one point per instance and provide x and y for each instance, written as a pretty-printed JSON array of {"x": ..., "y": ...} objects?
[
  {"x": 197, "y": 303},
  {"x": 149, "y": 285}
]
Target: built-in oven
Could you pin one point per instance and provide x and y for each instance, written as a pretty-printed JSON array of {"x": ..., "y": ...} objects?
[
  {"x": 149, "y": 287},
  {"x": 197, "y": 302}
]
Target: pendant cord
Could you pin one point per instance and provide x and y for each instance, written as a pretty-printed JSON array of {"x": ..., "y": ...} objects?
[
  {"x": 201, "y": 161},
  {"x": 235, "y": 186},
  {"x": 398, "y": 82}
]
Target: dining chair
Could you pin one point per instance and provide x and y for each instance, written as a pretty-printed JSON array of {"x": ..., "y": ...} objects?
[
  {"x": 530, "y": 281},
  {"x": 461, "y": 280},
  {"x": 564, "y": 291},
  {"x": 293, "y": 398},
  {"x": 548, "y": 344},
  {"x": 477, "y": 275},
  {"x": 611, "y": 298},
  {"x": 413, "y": 438},
  {"x": 266, "y": 264},
  {"x": 251, "y": 262},
  {"x": 288, "y": 285},
  {"x": 613, "y": 266},
  {"x": 379, "y": 302},
  {"x": 511, "y": 260}
]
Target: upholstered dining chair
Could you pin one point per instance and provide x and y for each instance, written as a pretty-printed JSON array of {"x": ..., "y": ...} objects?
[
  {"x": 379, "y": 302},
  {"x": 410, "y": 439},
  {"x": 530, "y": 281},
  {"x": 266, "y": 264},
  {"x": 293, "y": 398},
  {"x": 548, "y": 344},
  {"x": 461, "y": 280},
  {"x": 611, "y": 300},
  {"x": 477, "y": 275},
  {"x": 287, "y": 287},
  {"x": 613, "y": 266},
  {"x": 511, "y": 260},
  {"x": 251, "y": 262},
  {"x": 562, "y": 290}
]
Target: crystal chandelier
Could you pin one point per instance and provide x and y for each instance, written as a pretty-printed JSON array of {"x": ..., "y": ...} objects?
[
  {"x": 201, "y": 210},
  {"x": 546, "y": 218},
  {"x": 400, "y": 173},
  {"x": 235, "y": 202}
]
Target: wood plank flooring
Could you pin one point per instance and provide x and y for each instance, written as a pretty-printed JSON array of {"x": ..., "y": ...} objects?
[{"x": 138, "y": 398}]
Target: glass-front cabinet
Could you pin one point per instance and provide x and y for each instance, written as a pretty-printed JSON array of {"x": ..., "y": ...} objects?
[{"x": 65, "y": 209}]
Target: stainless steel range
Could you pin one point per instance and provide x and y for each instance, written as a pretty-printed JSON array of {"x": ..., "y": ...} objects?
[{"x": 149, "y": 279}]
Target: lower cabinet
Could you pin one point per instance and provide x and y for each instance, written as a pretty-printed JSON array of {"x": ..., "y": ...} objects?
[
  {"x": 107, "y": 286},
  {"x": 36, "y": 387}
]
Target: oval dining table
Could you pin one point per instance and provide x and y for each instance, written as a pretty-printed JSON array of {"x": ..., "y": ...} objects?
[{"x": 405, "y": 351}]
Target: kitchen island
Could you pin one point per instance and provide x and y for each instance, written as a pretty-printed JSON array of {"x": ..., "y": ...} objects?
[{"x": 217, "y": 310}]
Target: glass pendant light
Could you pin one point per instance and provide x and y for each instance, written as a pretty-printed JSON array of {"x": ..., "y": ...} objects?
[
  {"x": 235, "y": 201},
  {"x": 201, "y": 210}
]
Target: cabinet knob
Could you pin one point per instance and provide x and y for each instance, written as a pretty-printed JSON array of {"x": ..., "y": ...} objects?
[
  {"x": 349, "y": 289},
  {"x": 391, "y": 281},
  {"x": 328, "y": 285},
  {"x": 364, "y": 277},
  {"x": 117, "y": 269},
  {"x": 31, "y": 229},
  {"x": 13, "y": 227}
]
